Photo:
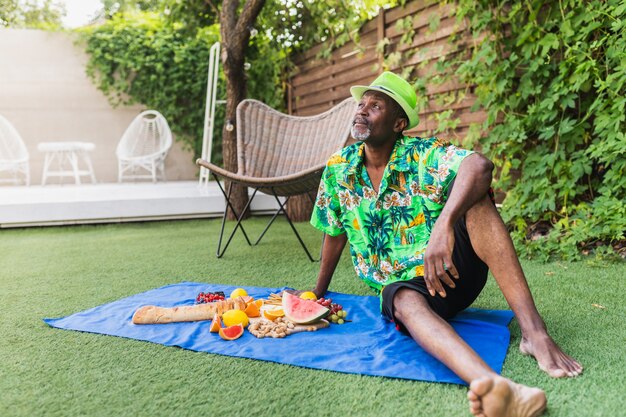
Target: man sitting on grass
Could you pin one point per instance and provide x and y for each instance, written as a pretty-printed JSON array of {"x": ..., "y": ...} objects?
[{"x": 423, "y": 233}]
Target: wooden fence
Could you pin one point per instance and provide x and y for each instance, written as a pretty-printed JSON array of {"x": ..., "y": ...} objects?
[{"x": 320, "y": 83}]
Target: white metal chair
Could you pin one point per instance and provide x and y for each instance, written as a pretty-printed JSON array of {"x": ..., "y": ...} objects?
[
  {"x": 142, "y": 150},
  {"x": 13, "y": 154}
]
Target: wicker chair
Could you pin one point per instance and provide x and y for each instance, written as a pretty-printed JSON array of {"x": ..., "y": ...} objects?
[
  {"x": 13, "y": 154},
  {"x": 280, "y": 155},
  {"x": 142, "y": 150}
]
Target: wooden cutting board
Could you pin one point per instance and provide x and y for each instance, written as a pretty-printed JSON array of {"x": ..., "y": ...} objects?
[{"x": 298, "y": 327}]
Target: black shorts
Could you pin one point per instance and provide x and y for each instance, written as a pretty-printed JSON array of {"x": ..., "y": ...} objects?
[{"x": 472, "y": 278}]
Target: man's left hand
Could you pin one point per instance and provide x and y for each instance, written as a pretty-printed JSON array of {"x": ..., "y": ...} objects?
[{"x": 438, "y": 265}]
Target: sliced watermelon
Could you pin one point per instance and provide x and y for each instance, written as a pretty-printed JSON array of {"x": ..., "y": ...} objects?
[{"x": 302, "y": 311}]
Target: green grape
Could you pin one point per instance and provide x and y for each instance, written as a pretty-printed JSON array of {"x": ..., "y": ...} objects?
[{"x": 340, "y": 321}]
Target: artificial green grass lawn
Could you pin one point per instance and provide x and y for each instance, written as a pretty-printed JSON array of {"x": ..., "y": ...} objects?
[{"x": 55, "y": 272}]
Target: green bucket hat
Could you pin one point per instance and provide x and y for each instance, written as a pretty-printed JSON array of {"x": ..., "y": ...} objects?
[{"x": 395, "y": 87}]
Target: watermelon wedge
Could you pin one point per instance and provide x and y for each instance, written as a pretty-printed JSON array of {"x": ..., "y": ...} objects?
[{"x": 302, "y": 311}]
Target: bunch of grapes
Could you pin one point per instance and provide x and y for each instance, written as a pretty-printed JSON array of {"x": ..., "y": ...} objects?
[
  {"x": 209, "y": 297},
  {"x": 337, "y": 313},
  {"x": 339, "y": 317}
]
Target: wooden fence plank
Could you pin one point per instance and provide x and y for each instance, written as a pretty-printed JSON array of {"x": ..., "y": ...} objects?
[
  {"x": 410, "y": 8},
  {"x": 366, "y": 30},
  {"x": 423, "y": 19},
  {"x": 424, "y": 36},
  {"x": 320, "y": 84},
  {"x": 332, "y": 81},
  {"x": 347, "y": 64}
]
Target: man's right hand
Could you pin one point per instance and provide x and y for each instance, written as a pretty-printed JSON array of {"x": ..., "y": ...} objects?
[{"x": 438, "y": 265}]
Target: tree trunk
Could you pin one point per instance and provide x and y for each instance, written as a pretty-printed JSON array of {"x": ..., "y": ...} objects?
[
  {"x": 299, "y": 208},
  {"x": 235, "y": 93},
  {"x": 235, "y": 33}
]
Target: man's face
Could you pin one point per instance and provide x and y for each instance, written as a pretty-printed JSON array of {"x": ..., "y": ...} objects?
[{"x": 376, "y": 121}]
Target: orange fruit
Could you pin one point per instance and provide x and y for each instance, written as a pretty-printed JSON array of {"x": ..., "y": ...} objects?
[
  {"x": 273, "y": 314},
  {"x": 252, "y": 310},
  {"x": 231, "y": 332},
  {"x": 248, "y": 299},
  {"x": 308, "y": 295},
  {"x": 259, "y": 303},
  {"x": 216, "y": 324},
  {"x": 238, "y": 292},
  {"x": 233, "y": 317}
]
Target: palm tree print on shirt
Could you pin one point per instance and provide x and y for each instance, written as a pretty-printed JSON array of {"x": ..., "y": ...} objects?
[{"x": 387, "y": 230}]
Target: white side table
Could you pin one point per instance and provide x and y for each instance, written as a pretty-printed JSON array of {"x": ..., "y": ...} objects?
[{"x": 67, "y": 155}]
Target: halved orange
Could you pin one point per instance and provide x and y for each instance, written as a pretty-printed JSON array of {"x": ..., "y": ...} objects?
[
  {"x": 252, "y": 310},
  {"x": 216, "y": 324},
  {"x": 273, "y": 314},
  {"x": 259, "y": 303},
  {"x": 231, "y": 332},
  {"x": 248, "y": 299}
]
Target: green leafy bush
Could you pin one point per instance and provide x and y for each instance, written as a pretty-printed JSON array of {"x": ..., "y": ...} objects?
[
  {"x": 553, "y": 80},
  {"x": 139, "y": 57}
]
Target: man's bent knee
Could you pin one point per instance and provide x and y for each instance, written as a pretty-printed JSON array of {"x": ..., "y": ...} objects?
[
  {"x": 484, "y": 203},
  {"x": 407, "y": 302}
]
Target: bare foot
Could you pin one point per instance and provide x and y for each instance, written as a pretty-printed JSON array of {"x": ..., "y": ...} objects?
[
  {"x": 550, "y": 358},
  {"x": 499, "y": 397}
]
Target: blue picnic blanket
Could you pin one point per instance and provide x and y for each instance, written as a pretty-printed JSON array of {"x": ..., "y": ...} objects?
[{"x": 369, "y": 345}]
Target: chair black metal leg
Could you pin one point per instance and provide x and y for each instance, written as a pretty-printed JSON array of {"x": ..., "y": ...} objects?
[
  {"x": 238, "y": 224},
  {"x": 282, "y": 208},
  {"x": 220, "y": 251}
]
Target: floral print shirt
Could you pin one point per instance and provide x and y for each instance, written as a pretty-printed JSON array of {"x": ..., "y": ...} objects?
[{"x": 388, "y": 231}]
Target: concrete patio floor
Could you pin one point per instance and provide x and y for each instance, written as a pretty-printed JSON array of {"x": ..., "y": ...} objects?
[{"x": 53, "y": 205}]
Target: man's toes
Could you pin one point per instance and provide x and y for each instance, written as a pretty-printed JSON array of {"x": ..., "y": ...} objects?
[
  {"x": 556, "y": 372},
  {"x": 476, "y": 410},
  {"x": 477, "y": 413},
  {"x": 475, "y": 405},
  {"x": 481, "y": 386},
  {"x": 575, "y": 371},
  {"x": 478, "y": 388},
  {"x": 568, "y": 367},
  {"x": 571, "y": 370},
  {"x": 575, "y": 367}
]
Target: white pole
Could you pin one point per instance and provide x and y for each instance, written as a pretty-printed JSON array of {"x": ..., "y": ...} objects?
[{"x": 209, "y": 110}]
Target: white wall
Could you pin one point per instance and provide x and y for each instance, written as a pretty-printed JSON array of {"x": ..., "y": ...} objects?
[{"x": 46, "y": 95}]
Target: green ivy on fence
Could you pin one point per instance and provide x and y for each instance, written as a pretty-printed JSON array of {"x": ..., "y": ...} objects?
[{"x": 552, "y": 77}]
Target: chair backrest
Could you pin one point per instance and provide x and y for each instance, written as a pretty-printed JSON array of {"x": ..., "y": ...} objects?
[
  {"x": 12, "y": 147},
  {"x": 148, "y": 134},
  {"x": 272, "y": 144}
]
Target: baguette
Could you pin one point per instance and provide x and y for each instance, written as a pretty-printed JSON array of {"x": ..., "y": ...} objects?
[{"x": 158, "y": 315}]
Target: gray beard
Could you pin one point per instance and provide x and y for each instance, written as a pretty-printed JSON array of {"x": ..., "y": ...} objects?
[{"x": 360, "y": 135}]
